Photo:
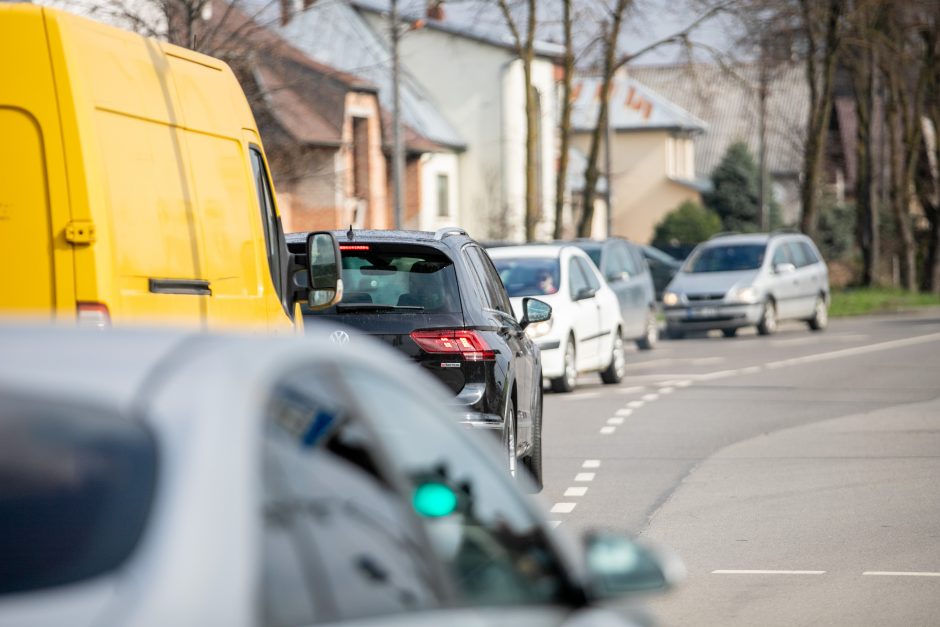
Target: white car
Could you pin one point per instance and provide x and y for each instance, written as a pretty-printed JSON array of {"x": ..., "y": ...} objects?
[
  {"x": 157, "y": 478},
  {"x": 585, "y": 332}
]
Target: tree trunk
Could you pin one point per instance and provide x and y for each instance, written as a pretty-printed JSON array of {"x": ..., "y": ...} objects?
[
  {"x": 900, "y": 190},
  {"x": 867, "y": 229},
  {"x": 564, "y": 130},
  {"x": 533, "y": 191}
]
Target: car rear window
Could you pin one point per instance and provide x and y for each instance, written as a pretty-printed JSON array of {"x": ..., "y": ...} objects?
[
  {"x": 726, "y": 258},
  {"x": 528, "y": 276},
  {"x": 395, "y": 278},
  {"x": 76, "y": 487}
]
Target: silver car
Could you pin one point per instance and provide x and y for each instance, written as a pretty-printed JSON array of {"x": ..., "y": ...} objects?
[
  {"x": 734, "y": 281},
  {"x": 163, "y": 478}
]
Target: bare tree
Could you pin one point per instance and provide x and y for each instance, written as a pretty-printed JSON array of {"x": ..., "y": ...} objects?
[
  {"x": 561, "y": 180},
  {"x": 927, "y": 181}
]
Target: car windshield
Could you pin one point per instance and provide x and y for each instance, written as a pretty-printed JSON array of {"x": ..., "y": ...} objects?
[
  {"x": 529, "y": 276},
  {"x": 394, "y": 278},
  {"x": 726, "y": 258}
]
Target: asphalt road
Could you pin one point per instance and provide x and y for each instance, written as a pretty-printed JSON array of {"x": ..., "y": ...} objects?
[{"x": 797, "y": 475}]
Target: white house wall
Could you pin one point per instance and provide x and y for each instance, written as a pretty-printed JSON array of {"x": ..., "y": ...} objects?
[{"x": 432, "y": 165}]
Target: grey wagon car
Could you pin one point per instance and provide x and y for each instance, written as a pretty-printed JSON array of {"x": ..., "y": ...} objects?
[{"x": 735, "y": 281}]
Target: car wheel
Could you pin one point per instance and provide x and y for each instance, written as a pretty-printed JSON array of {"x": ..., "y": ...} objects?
[
  {"x": 509, "y": 437},
  {"x": 650, "y": 332},
  {"x": 614, "y": 371},
  {"x": 729, "y": 332},
  {"x": 567, "y": 381},
  {"x": 820, "y": 319},
  {"x": 533, "y": 461},
  {"x": 768, "y": 319}
]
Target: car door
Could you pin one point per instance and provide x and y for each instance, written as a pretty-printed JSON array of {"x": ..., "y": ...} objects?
[
  {"x": 783, "y": 284},
  {"x": 623, "y": 276},
  {"x": 497, "y": 551},
  {"x": 586, "y": 323},
  {"x": 339, "y": 539},
  {"x": 807, "y": 280}
]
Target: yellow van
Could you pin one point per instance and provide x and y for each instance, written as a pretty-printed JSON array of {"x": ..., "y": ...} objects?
[{"x": 133, "y": 185}]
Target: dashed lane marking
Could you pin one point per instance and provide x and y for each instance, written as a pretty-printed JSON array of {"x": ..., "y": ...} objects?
[
  {"x": 768, "y": 572},
  {"x": 616, "y": 420},
  {"x": 650, "y": 397},
  {"x": 584, "y": 476},
  {"x": 635, "y": 404},
  {"x": 563, "y": 508},
  {"x": 608, "y": 430},
  {"x": 684, "y": 383},
  {"x": 576, "y": 491},
  {"x": 623, "y": 412},
  {"x": 591, "y": 463},
  {"x": 667, "y": 390},
  {"x": 633, "y": 389},
  {"x": 577, "y": 396}
]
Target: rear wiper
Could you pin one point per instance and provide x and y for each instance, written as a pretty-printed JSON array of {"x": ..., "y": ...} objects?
[{"x": 376, "y": 307}]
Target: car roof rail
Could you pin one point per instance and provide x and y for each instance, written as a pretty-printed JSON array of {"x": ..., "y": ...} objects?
[
  {"x": 448, "y": 230},
  {"x": 723, "y": 233}
]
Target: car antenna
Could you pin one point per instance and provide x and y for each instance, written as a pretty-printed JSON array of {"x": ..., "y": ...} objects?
[{"x": 350, "y": 234}]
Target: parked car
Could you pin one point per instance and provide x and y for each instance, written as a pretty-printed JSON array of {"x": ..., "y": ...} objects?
[
  {"x": 437, "y": 298},
  {"x": 585, "y": 333},
  {"x": 141, "y": 190},
  {"x": 166, "y": 478},
  {"x": 663, "y": 267},
  {"x": 734, "y": 281},
  {"x": 623, "y": 267}
]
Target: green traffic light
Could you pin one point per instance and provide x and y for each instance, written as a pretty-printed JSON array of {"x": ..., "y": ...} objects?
[{"x": 434, "y": 500}]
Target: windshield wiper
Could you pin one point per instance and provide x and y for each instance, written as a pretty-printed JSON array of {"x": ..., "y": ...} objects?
[{"x": 376, "y": 307}]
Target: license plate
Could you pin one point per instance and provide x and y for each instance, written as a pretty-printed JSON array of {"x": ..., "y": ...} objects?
[{"x": 703, "y": 312}]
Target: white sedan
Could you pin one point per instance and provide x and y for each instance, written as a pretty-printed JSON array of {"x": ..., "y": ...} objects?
[{"x": 585, "y": 332}]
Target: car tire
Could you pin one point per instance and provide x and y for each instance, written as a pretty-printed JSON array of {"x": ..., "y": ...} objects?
[
  {"x": 650, "y": 332},
  {"x": 768, "y": 319},
  {"x": 729, "y": 332},
  {"x": 533, "y": 461},
  {"x": 567, "y": 381},
  {"x": 509, "y": 437},
  {"x": 617, "y": 367},
  {"x": 820, "y": 319}
]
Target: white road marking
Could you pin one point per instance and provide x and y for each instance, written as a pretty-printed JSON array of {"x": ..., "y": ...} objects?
[
  {"x": 633, "y": 389},
  {"x": 667, "y": 390},
  {"x": 768, "y": 572},
  {"x": 794, "y": 341},
  {"x": 857, "y": 350},
  {"x": 623, "y": 412},
  {"x": 718, "y": 374},
  {"x": 650, "y": 397},
  {"x": 608, "y": 430},
  {"x": 616, "y": 420},
  {"x": 563, "y": 508},
  {"x": 684, "y": 383},
  {"x": 584, "y": 476},
  {"x": 591, "y": 463},
  {"x": 878, "y": 573},
  {"x": 664, "y": 384},
  {"x": 635, "y": 404},
  {"x": 554, "y": 523},
  {"x": 701, "y": 361},
  {"x": 576, "y": 491},
  {"x": 751, "y": 369},
  {"x": 577, "y": 396}
]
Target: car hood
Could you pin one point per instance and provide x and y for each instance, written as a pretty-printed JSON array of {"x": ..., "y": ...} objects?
[{"x": 711, "y": 282}]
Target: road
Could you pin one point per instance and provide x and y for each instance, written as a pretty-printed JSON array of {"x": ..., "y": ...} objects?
[{"x": 797, "y": 475}]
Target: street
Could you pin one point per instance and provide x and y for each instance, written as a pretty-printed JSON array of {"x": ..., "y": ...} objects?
[{"x": 795, "y": 475}]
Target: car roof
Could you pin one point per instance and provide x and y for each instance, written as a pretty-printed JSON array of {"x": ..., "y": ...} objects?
[
  {"x": 740, "y": 238},
  {"x": 381, "y": 235},
  {"x": 531, "y": 251}
]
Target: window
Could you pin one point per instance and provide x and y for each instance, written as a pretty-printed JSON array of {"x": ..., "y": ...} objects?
[
  {"x": 588, "y": 272},
  {"x": 726, "y": 258},
  {"x": 360, "y": 158},
  {"x": 389, "y": 278},
  {"x": 782, "y": 255},
  {"x": 443, "y": 196},
  {"x": 269, "y": 217},
  {"x": 492, "y": 285},
  {"x": 576, "y": 279},
  {"x": 797, "y": 254},
  {"x": 496, "y": 550},
  {"x": 77, "y": 488},
  {"x": 618, "y": 263},
  {"x": 809, "y": 253},
  {"x": 336, "y": 530},
  {"x": 529, "y": 276}
]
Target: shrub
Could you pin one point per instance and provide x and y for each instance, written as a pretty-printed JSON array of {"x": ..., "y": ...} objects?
[{"x": 685, "y": 226}]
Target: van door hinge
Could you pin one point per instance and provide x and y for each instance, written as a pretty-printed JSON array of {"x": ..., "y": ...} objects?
[{"x": 80, "y": 232}]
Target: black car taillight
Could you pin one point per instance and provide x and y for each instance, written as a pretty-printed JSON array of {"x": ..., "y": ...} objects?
[{"x": 464, "y": 342}]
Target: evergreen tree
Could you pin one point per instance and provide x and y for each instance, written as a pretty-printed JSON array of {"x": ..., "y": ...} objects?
[
  {"x": 735, "y": 194},
  {"x": 684, "y": 227}
]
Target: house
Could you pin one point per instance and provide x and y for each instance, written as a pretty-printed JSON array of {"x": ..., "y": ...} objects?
[
  {"x": 728, "y": 101},
  {"x": 333, "y": 34},
  {"x": 652, "y": 152}
]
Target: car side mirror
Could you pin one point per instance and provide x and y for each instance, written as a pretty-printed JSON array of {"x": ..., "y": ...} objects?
[
  {"x": 619, "y": 566},
  {"x": 324, "y": 271},
  {"x": 784, "y": 268},
  {"x": 585, "y": 292},
  {"x": 534, "y": 310}
]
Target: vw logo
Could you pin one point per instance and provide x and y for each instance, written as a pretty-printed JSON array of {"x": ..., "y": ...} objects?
[{"x": 339, "y": 337}]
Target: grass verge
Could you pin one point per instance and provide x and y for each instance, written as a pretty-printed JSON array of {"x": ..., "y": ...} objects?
[{"x": 875, "y": 300}]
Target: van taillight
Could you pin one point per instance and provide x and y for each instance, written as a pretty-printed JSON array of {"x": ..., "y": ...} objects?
[
  {"x": 93, "y": 315},
  {"x": 465, "y": 342}
]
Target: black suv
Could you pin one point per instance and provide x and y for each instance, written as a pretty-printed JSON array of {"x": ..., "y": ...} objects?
[{"x": 438, "y": 298}]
